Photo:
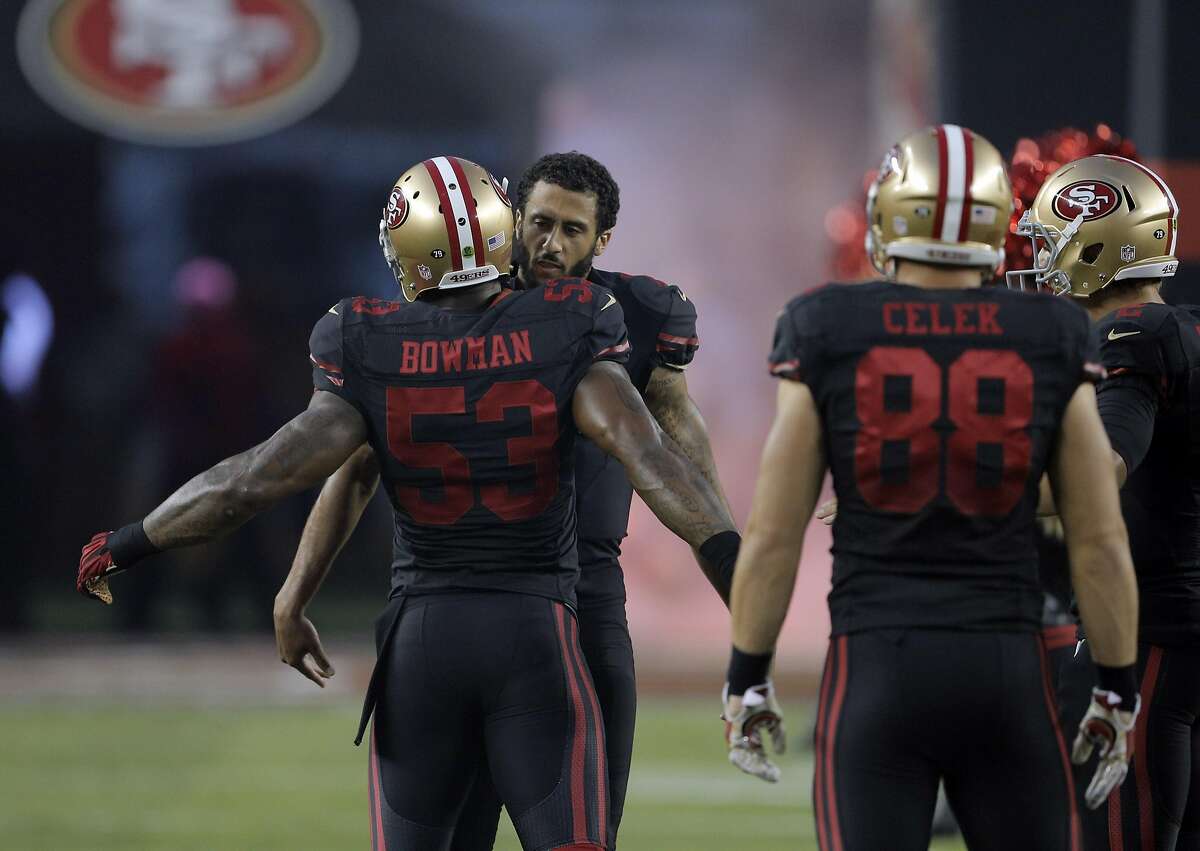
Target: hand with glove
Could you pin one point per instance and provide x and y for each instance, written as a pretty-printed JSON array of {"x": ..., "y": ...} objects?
[
  {"x": 107, "y": 554},
  {"x": 750, "y": 711},
  {"x": 1107, "y": 730}
]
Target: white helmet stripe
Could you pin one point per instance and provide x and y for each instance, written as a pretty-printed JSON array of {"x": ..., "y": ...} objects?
[
  {"x": 462, "y": 218},
  {"x": 956, "y": 182}
]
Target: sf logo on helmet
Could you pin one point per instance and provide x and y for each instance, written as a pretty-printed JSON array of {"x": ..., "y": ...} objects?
[
  {"x": 397, "y": 209},
  {"x": 1094, "y": 198}
]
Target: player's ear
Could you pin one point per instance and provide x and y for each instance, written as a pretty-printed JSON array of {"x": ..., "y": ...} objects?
[
  {"x": 602, "y": 242},
  {"x": 517, "y": 219}
]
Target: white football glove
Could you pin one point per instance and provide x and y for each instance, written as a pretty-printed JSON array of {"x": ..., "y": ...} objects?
[
  {"x": 745, "y": 722},
  {"x": 1106, "y": 729}
]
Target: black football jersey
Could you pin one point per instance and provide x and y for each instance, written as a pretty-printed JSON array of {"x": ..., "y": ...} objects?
[
  {"x": 939, "y": 409},
  {"x": 662, "y": 332},
  {"x": 1156, "y": 348},
  {"x": 469, "y": 412}
]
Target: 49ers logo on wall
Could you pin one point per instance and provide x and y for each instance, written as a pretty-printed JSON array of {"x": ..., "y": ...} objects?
[
  {"x": 1094, "y": 198},
  {"x": 186, "y": 72}
]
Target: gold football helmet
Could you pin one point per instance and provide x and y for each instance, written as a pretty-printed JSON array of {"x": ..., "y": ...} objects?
[
  {"x": 447, "y": 224},
  {"x": 942, "y": 196},
  {"x": 1097, "y": 220}
]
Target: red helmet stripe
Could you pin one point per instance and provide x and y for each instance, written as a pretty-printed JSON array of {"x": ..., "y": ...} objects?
[
  {"x": 968, "y": 176},
  {"x": 472, "y": 212},
  {"x": 1166, "y": 191},
  {"x": 940, "y": 215},
  {"x": 447, "y": 213},
  {"x": 953, "y": 181}
]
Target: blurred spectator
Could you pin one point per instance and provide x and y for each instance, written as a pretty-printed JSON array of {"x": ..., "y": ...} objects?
[{"x": 204, "y": 394}]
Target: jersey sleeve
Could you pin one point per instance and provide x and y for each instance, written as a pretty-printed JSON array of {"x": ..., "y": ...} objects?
[
  {"x": 607, "y": 338},
  {"x": 792, "y": 353},
  {"x": 1128, "y": 407},
  {"x": 1130, "y": 343},
  {"x": 677, "y": 338},
  {"x": 325, "y": 351}
]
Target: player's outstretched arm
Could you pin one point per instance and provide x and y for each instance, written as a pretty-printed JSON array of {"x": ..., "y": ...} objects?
[
  {"x": 337, "y": 511},
  {"x": 789, "y": 483},
  {"x": 1085, "y": 491},
  {"x": 672, "y": 407},
  {"x": 609, "y": 410},
  {"x": 305, "y": 451}
]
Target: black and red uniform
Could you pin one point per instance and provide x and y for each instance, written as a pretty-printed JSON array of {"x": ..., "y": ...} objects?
[
  {"x": 661, "y": 321},
  {"x": 939, "y": 411},
  {"x": 469, "y": 412},
  {"x": 1150, "y": 404}
]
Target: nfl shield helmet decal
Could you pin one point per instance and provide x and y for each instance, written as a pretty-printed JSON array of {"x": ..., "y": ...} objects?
[{"x": 186, "y": 72}]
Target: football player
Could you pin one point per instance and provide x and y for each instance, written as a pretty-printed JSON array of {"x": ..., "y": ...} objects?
[
  {"x": 566, "y": 209},
  {"x": 1104, "y": 230},
  {"x": 469, "y": 395},
  {"x": 937, "y": 405}
]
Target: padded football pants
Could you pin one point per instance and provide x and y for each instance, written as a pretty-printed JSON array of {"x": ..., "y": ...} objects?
[
  {"x": 608, "y": 651},
  {"x": 481, "y": 678},
  {"x": 901, "y": 709},
  {"x": 1158, "y": 806}
]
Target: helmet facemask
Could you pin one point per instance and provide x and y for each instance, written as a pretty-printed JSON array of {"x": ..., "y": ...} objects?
[{"x": 1048, "y": 245}]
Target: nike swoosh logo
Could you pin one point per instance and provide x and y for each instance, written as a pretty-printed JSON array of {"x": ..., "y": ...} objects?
[
  {"x": 683, "y": 295},
  {"x": 612, "y": 299},
  {"x": 1113, "y": 335},
  {"x": 333, "y": 310}
]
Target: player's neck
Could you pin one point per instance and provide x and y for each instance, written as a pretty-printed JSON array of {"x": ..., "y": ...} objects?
[
  {"x": 470, "y": 298},
  {"x": 1148, "y": 292},
  {"x": 930, "y": 277}
]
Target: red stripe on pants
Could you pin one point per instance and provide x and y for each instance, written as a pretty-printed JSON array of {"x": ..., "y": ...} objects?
[
  {"x": 819, "y": 767},
  {"x": 380, "y": 843},
  {"x": 1116, "y": 833},
  {"x": 839, "y": 694},
  {"x": 590, "y": 692},
  {"x": 1141, "y": 755},
  {"x": 1051, "y": 710},
  {"x": 579, "y": 742}
]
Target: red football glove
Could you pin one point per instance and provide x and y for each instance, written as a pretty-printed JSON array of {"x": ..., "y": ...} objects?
[{"x": 95, "y": 564}]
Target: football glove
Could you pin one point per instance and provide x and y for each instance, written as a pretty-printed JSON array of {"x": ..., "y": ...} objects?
[
  {"x": 759, "y": 712},
  {"x": 95, "y": 566},
  {"x": 1106, "y": 729}
]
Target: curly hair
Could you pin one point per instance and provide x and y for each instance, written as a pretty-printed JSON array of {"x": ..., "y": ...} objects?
[{"x": 578, "y": 173}]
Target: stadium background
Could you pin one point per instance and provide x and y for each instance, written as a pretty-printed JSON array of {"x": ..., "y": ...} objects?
[{"x": 157, "y": 300}]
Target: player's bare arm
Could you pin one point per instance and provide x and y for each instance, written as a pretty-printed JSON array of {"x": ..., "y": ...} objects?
[
  {"x": 789, "y": 483},
  {"x": 672, "y": 406},
  {"x": 305, "y": 451},
  {"x": 609, "y": 410},
  {"x": 330, "y": 523},
  {"x": 1105, "y": 586}
]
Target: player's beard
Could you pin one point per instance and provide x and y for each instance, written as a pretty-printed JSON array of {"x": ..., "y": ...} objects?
[{"x": 523, "y": 263}]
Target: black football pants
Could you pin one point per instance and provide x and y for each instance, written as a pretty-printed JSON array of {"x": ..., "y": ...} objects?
[
  {"x": 608, "y": 651},
  {"x": 902, "y": 709},
  {"x": 469, "y": 674},
  {"x": 1157, "y": 808}
]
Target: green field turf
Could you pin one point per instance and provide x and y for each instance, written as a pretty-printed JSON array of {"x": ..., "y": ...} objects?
[{"x": 260, "y": 779}]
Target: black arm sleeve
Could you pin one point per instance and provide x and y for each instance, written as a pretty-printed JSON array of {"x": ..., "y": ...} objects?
[{"x": 1128, "y": 405}]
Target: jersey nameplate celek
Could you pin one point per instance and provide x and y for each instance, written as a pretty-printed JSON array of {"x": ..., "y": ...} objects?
[{"x": 918, "y": 318}]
